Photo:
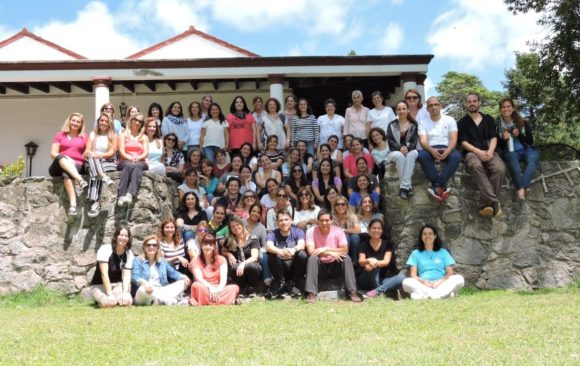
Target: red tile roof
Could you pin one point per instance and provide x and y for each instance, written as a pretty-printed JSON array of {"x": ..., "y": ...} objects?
[
  {"x": 187, "y": 33},
  {"x": 25, "y": 33}
]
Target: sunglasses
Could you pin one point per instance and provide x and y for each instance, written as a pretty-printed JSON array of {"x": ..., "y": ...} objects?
[
  {"x": 340, "y": 204},
  {"x": 172, "y": 140},
  {"x": 412, "y": 97},
  {"x": 281, "y": 195},
  {"x": 203, "y": 230},
  {"x": 151, "y": 245},
  {"x": 250, "y": 196},
  {"x": 304, "y": 194}
]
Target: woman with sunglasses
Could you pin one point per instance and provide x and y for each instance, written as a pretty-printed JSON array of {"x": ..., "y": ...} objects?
[
  {"x": 247, "y": 200},
  {"x": 306, "y": 214},
  {"x": 349, "y": 223},
  {"x": 151, "y": 274},
  {"x": 190, "y": 214},
  {"x": 282, "y": 204},
  {"x": 172, "y": 158},
  {"x": 242, "y": 251},
  {"x": 295, "y": 181},
  {"x": 133, "y": 150},
  {"x": 211, "y": 275},
  {"x": 416, "y": 109}
]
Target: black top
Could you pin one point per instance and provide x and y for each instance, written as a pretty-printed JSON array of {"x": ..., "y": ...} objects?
[
  {"x": 477, "y": 136},
  {"x": 116, "y": 265},
  {"x": 229, "y": 203},
  {"x": 366, "y": 248},
  {"x": 241, "y": 254},
  {"x": 193, "y": 221},
  {"x": 525, "y": 137}
]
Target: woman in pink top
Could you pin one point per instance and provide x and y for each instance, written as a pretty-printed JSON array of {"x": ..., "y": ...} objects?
[
  {"x": 67, "y": 151},
  {"x": 356, "y": 117},
  {"x": 211, "y": 275},
  {"x": 242, "y": 125},
  {"x": 133, "y": 150},
  {"x": 356, "y": 152}
]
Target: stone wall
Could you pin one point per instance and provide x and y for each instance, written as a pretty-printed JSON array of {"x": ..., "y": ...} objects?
[{"x": 534, "y": 244}]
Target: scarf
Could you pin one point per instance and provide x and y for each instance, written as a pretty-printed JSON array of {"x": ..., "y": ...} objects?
[{"x": 175, "y": 119}]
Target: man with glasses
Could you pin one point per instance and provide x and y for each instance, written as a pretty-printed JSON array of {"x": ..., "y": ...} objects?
[
  {"x": 327, "y": 247},
  {"x": 478, "y": 137},
  {"x": 438, "y": 136}
]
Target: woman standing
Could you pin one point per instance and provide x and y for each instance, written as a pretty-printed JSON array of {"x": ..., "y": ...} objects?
[
  {"x": 513, "y": 128},
  {"x": 67, "y": 151},
  {"x": 133, "y": 150},
  {"x": 109, "y": 109},
  {"x": 380, "y": 116},
  {"x": 214, "y": 132},
  {"x": 402, "y": 134},
  {"x": 111, "y": 283},
  {"x": 290, "y": 112},
  {"x": 206, "y": 102},
  {"x": 330, "y": 124},
  {"x": 155, "y": 147},
  {"x": 303, "y": 127},
  {"x": 156, "y": 112},
  {"x": 151, "y": 274},
  {"x": 211, "y": 275},
  {"x": 176, "y": 123},
  {"x": 431, "y": 274},
  {"x": 194, "y": 123},
  {"x": 274, "y": 124},
  {"x": 356, "y": 117},
  {"x": 242, "y": 125},
  {"x": 172, "y": 158},
  {"x": 242, "y": 251},
  {"x": 175, "y": 250},
  {"x": 100, "y": 156},
  {"x": 349, "y": 223},
  {"x": 379, "y": 272}
]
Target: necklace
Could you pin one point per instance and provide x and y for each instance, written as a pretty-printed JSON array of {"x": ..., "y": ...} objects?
[{"x": 121, "y": 259}]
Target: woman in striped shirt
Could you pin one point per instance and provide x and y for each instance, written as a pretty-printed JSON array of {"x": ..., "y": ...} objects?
[
  {"x": 172, "y": 245},
  {"x": 304, "y": 127}
]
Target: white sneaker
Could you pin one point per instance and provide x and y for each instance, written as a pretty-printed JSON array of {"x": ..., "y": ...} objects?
[
  {"x": 122, "y": 200},
  {"x": 129, "y": 198}
]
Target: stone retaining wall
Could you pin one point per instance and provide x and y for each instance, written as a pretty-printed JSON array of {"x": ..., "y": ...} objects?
[{"x": 534, "y": 244}]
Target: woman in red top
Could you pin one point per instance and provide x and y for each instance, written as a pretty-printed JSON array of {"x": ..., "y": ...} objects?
[
  {"x": 67, "y": 151},
  {"x": 211, "y": 275},
  {"x": 133, "y": 150},
  {"x": 242, "y": 125}
]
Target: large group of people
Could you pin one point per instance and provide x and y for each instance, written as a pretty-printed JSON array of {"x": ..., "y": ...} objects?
[{"x": 279, "y": 196}]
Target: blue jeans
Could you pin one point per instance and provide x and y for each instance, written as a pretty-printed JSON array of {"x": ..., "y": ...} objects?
[
  {"x": 372, "y": 281},
  {"x": 266, "y": 274},
  {"x": 428, "y": 164},
  {"x": 209, "y": 152},
  {"x": 353, "y": 241},
  {"x": 187, "y": 235},
  {"x": 531, "y": 157}
]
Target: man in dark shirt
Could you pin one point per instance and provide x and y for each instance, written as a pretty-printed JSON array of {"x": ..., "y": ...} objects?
[{"x": 478, "y": 138}]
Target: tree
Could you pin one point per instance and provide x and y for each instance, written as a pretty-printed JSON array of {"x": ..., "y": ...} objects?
[
  {"x": 454, "y": 87},
  {"x": 351, "y": 53},
  {"x": 544, "y": 99},
  {"x": 560, "y": 49}
]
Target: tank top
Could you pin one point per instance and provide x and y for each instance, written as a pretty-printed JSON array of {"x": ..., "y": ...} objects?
[
  {"x": 133, "y": 148},
  {"x": 101, "y": 145}
]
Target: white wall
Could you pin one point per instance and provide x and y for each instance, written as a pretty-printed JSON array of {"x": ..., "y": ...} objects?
[{"x": 22, "y": 48}]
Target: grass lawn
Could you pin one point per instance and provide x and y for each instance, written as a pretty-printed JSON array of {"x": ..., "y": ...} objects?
[{"x": 481, "y": 328}]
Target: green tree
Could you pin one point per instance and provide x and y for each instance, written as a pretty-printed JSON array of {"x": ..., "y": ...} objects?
[
  {"x": 544, "y": 99},
  {"x": 560, "y": 49},
  {"x": 454, "y": 87}
]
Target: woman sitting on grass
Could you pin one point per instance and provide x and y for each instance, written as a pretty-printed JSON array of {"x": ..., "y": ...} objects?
[
  {"x": 211, "y": 274},
  {"x": 111, "y": 284},
  {"x": 431, "y": 273},
  {"x": 151, "y": 274}
]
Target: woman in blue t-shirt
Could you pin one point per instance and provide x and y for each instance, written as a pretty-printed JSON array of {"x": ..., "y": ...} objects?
[{"x": 431, "y": 273}]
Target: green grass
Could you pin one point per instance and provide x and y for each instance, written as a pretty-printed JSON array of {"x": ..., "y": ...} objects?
[{"x": 480, "y": 328}]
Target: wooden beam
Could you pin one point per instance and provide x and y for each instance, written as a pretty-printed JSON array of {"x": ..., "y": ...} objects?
[
  {"x": 65, "y": 87},
  {"x": 21, "y": 88},
  {"x": 257, "y": 84},
  {"x": 172, "y": 85},
  {"x": 2, "y": 90},
  {"x": 237, "y": 84},
  {"x": 151, "y": 85},
  {"x": 129, "y": 86},
  {"x": 193, "y": 84},
  {"x": 214, "y": 82},
  {"x": 43, "y": 87}
]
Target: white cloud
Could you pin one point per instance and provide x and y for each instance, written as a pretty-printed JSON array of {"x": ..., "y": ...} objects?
[
  {"x": 476, "y": 34},
  {"x": 429, "y": 88},
  {"x": 391, "y": 40},
  {"x": 92, "y": 34},
  {"x": 172, "y": 15}
]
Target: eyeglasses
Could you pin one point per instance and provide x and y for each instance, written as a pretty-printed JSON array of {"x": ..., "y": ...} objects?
[
  {"x": 433, "y": 105},
  {"x": 170, "y": 140},
  {"x": 252, "y": 197},
  {"x": 203, "y": 230},
  {"x": 151, "y": 245},
  {"x": 304, "y": 194},
  {"x": 340, "y": 204},
  {"x": 279, "y": 195},
  {"x": 138, "y": 120},
  {"x": 412, "y": 97}
]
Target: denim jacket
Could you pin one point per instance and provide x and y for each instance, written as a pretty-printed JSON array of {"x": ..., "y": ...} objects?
[{"x": 141, "y": 271}]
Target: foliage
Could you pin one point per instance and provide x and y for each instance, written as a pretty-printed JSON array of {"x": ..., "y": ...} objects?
[
  {"x": 13, "y": 170},
  {"x": 559, "y": 50},
  {"x": 485, "y": 327},
  {"x": 544, "y": 100},
  {"x": 351, "y": 53},
  {"x": 454, "y": 87},
  {"x": 39, "y": 296}
]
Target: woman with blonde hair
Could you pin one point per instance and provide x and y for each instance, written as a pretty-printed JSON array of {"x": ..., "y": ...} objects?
[
  {"x": 133, "y": 151},
  {"x": 151, "y": 274},
  {"x": 100, "y": 156},
  {"x": 109, "y": 109},
  {"x": 155, "y": 148},
  {"x": 67, "y": 151}
]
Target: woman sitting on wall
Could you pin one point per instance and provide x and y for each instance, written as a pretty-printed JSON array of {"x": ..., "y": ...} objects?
[
  {"x": 111, "y": 283},
  {"x": 151, "y": 274},
  {"x": 155, "y": 147},
  {"x": 431, "y": 274},
  {"x": 133, "y": 150},
  {"x": 172, "y": 158},
  {"x": 211, "y": 275},
  {"x": 100, "y": 156},
  {"x": 67, "y": 151}
]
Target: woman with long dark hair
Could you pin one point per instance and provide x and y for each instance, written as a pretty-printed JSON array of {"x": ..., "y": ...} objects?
[
  {"x": 242, "y": 125},
  {"x": 176, "y": 123},
  {"x": 214, "y": 132},
  {"x": 325, "y": 178},
  {"x": 304, "y": 127}
]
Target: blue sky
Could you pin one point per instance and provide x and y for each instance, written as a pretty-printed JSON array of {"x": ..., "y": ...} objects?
[{"x": 474, "y": 36}]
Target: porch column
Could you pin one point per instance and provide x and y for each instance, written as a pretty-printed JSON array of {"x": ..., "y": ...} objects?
[
  {"x": 421, "y": 85},
  {"x": 277, "y": 87},
  {"x": 409, "y": 81},
  {"x": 101, "y": 87}
]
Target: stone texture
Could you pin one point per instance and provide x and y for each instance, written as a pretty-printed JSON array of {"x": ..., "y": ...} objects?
[{"x": 534, "y": 243}]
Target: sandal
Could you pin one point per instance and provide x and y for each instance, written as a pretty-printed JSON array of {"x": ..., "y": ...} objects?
[{"x": 81, "y": 185}]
